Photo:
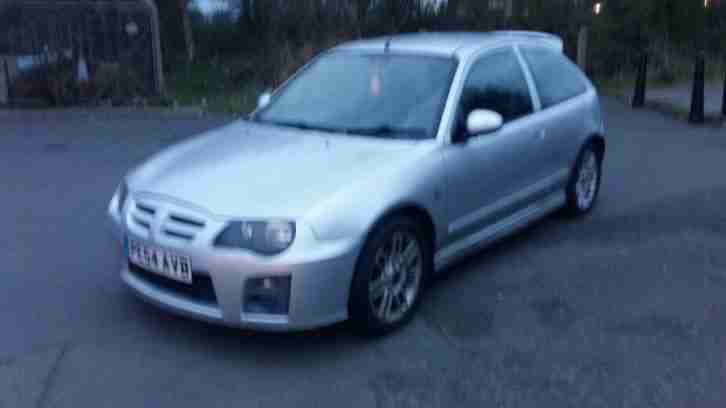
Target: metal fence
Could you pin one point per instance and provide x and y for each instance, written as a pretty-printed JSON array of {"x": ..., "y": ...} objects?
[{"x": 79, "y": 48}]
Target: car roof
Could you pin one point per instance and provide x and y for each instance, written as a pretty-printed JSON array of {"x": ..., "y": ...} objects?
[{"x": 449, "y": 44}]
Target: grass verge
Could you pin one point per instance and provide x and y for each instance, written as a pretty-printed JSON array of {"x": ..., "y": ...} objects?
[{"x": 211, "y": 86}]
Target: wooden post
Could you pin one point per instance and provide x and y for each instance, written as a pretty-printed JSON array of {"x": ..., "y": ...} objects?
[
  {"x": 4, "y": 82},
  {"x": 641, "y": 83},
  {"x": 697, "y": 97},
  {"x": 8, "y": 80},
  {"x": 188, "y": 33},
  {"x": 582, "y": 40},
  {"x": 156, "y": 44}
]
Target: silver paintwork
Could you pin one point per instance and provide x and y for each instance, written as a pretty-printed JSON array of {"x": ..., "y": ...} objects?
[{"x": 336, "y": 187}]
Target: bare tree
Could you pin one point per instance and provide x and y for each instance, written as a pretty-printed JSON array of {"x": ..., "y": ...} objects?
[
  {"x": 452, "y": 8},
  {"x": 362, "y": 7},
  {"x": 187, "y": 27}
]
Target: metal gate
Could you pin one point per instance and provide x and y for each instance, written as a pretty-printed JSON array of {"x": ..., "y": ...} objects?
[{"x": 72, "y": 50}]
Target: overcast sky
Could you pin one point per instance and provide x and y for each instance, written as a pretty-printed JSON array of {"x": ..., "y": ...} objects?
[{"x": 210, "y": 6}]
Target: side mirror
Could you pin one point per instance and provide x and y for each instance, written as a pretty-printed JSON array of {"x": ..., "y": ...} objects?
[
  {"x": 482, "y": 121},
  {"x": 264, "y": 99}
]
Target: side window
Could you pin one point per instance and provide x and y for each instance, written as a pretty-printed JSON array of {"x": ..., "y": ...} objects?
[
  {"x": 557, "y": 78},
  {"x": 496, "y": 82}
]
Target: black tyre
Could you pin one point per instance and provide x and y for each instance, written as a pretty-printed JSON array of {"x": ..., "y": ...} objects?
[
  {"x": 584, "y": 185},
  {"x": 390, "y": 276}
]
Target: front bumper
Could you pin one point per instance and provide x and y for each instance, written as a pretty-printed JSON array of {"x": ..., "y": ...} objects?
[{"x": 320, "y": 278}]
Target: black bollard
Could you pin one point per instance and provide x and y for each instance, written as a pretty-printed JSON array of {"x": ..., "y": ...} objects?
[
  {"x": 697, "y": 97},
  {"x": 723, "y": 100},
  {"x": 640, "y": 83},
  {"x": 6, "y": 72}
]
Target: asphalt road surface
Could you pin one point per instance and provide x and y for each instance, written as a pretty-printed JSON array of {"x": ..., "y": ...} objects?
[{"x": 626, "y": 308}]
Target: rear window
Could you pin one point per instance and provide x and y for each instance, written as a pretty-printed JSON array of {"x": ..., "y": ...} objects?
[{"x": 556, "y": 77}]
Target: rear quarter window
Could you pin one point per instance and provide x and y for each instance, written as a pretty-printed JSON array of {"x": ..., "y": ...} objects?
[{"x": 556, "y": 77}]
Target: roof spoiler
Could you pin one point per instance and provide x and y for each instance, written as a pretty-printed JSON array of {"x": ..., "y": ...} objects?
[{"x": 546, "y": 39}]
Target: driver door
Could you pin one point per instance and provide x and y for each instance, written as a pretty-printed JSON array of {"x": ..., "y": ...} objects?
[{"x": 489, "y": 175}]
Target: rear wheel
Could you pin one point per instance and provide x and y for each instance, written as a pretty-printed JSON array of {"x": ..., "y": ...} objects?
[
  {"x": 584, "y": 185},
  {"x": 390, "y": 276}
]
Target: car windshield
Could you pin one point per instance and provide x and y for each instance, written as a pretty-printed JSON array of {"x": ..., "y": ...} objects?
[{"x": 377, "y": 95}]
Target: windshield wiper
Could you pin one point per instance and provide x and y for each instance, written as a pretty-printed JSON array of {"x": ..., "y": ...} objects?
[
  {"x": 301, "y": 125},
  {"x": 377, "y": 131},
  {"x": 387, "y": 130}
]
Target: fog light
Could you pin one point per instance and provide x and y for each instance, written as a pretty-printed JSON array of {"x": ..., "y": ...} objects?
[{"x": 269, "y": 295}]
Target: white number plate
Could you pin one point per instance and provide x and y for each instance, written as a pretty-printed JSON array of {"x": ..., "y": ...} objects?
[{"x": 160, "y": 261}]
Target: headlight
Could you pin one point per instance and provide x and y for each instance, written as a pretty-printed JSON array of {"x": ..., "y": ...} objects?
[
  {"x": 123, "y": 192},
  {"x": 279, "y": 235},
  {"x": 265, "y": 237}
]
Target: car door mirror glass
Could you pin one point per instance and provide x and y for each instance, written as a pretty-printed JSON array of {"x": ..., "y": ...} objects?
[{"x": 482, "y": 121}]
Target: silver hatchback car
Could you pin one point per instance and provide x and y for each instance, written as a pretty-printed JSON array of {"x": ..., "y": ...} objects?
[{"x": 378, "y": 164}]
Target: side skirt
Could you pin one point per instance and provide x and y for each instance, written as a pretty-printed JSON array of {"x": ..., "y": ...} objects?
[{"x": 491, "y": 233}]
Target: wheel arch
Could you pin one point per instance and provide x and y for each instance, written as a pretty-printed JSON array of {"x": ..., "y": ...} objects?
[
  {"x": 411, "y": 210},
  {"x": 598, "y": 141},
  {"x": 406, "y": 209}
]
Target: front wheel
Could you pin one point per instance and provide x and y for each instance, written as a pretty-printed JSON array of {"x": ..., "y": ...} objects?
[
  {"x": 584, "y": 185},
  {"x": 390, "y": 276}
]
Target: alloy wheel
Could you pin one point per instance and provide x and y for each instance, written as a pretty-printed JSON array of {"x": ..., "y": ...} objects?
[
  {"x": 587, "y": 179},
  {"x": 396, "y": 279}
]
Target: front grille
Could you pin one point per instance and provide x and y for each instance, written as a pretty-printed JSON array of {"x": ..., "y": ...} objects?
[
  {"x": 201, "y": 290},
  {"x": 177, "y": 225},
  {"x": 178, "y": 235},
  {"x": 186, "y": 221},
  {"x": 141, "y": 222},
  {"x": 142, "y": 216},
  {"x": 182, "y": 227},
  {"x": 146, "y": 209}
]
